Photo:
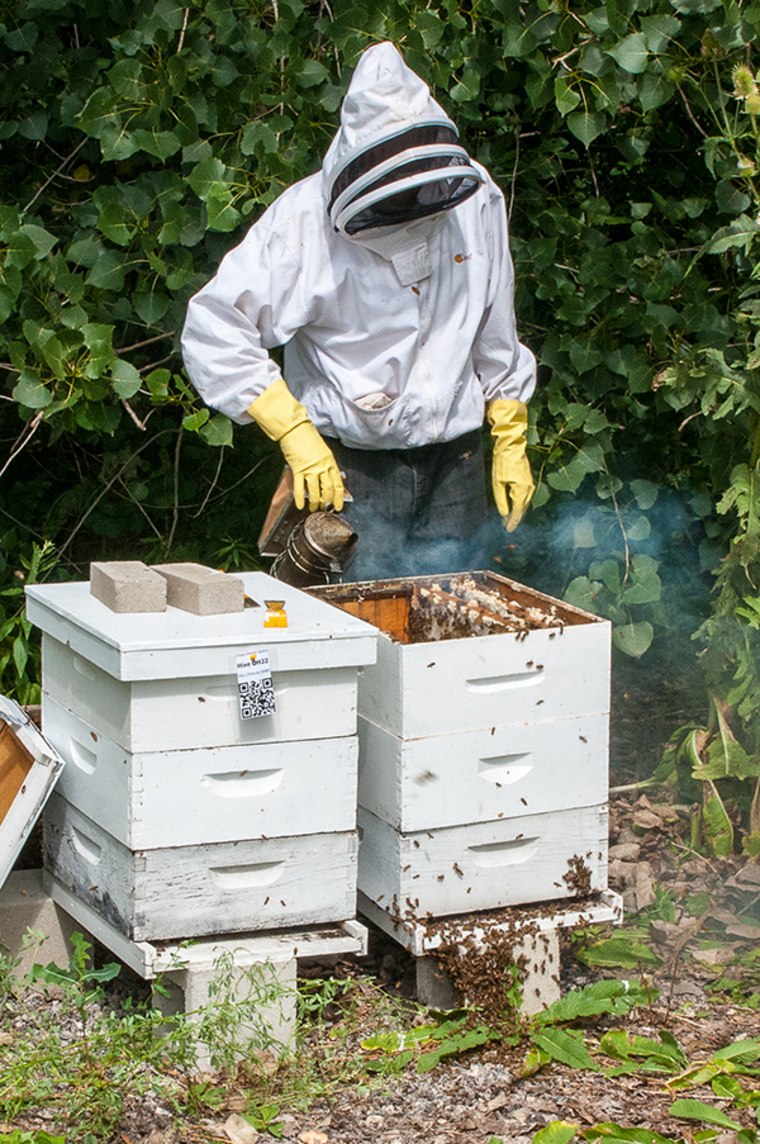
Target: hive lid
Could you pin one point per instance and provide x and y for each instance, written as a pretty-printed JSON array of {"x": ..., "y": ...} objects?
[
  {"x": 29, "y": 768},
  {"x": 177, "y": 644}
]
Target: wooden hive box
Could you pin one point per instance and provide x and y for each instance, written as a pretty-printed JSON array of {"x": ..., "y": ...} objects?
[
  {"x": 170, "y": 796},
  {"x": 483, "y": 728}
]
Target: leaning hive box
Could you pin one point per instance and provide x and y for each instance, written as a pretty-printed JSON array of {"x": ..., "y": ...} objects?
[
  {"x": 177, "y": 817},
  {"x": 483, "y": 729}
]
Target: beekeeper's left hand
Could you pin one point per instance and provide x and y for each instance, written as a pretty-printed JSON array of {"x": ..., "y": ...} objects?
[{"x": 511, "y": 477}]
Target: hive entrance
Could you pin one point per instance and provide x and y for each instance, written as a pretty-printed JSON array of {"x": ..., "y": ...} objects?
[{"x": 426, "y": 609}]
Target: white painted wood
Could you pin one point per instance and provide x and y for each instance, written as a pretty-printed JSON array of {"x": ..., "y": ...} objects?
[
  {"x": 216, "y": 794},
  {"x": 488, "y": 681},
  {"x": 17, "y": 823},
  {"x": 195, "y": 891},
  {"x": 176, "y": 644},
  {"x": 484, "y": 865},
  {"x": 606, "y": 906},
  {"x": 478, "y": 776},
  {"x": 148, "y": 960},
  {"x": 179, "y": 714}
]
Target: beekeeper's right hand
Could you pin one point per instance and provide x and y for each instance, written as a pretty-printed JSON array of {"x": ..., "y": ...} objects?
[{"x": 316, "y": 476}]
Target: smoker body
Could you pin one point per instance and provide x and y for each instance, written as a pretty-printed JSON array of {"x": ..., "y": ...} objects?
[
  {"x": 178, "y": 819},
  {"x": 484, "y": 741}
]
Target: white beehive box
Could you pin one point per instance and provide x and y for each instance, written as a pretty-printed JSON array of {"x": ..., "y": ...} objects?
[
  {"x": 483, "y": 743},
  {"x": 217, "y": 794},
  {"x": 166, "y": 681},
  {"x": 196, "y": 891},
  {"x": 484, "y": 865},
  {"x": 479, "y": 776},
  {"x": 179, "y": 818}
]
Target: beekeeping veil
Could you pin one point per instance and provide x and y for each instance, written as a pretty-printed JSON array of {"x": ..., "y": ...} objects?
[{"x": 396, "y": 157}]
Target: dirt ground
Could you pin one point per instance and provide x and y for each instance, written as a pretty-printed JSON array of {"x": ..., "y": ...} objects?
[{"x": 701, "y": 986}]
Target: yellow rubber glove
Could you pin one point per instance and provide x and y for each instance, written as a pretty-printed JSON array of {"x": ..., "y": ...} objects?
[
  {"x": 510, "y": 473},
  {"x": 316, "y": 476}
]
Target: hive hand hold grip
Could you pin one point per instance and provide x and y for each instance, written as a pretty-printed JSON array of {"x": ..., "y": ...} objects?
[
  {"x": 86, "y": 847},
  {"x": 243, "y": 784},
  {"x": 82, "y": 757},
  {"x": 247, "y": 877},
  {"x": 491, "y": 684},
  {"x": 504, "y": 769},
  {"x": 509, "y": 853}
]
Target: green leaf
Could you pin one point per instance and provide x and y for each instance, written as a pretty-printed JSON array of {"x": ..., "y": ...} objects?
[
  {"x": 126, "y": 379},
  {"x": 258, "y": 137},
  {"x": 42, "y": 240},
  {"x": 558, "y": 1132},
  {"x": 645, "y": 586},
  {"x": 30, "y": 391},
  {"x": 645, "y": 492},
  {"x": 205, "y": 176},
  {"x": 689, "y": 1109},
  {"x": 641, "y": 529},
  {"x": 621, "y": 951},
  {"x": 222, "y": 215},
  {"x": 150, "y": 307},
  {"x": 631, "y": 53},
  {"x": 566, "y": 97},
  {"x": 616, "y": 1134},
  {"x": 217, "y": 432},
  {"x": 162, "y": 144},
  {"x": 108, "y": 272},
  {"x": 583, "y": 593},
  {"x": 658, "y": 30},
  {"x": 20, "y": 654},
  {"x": 311, "y": 73},
  {"x": 730, "y": 199},
  {"x": 593, "y": 1000},
  {"x": 566, "y": 1047},
  {"x": 194, "y": 421},
  {"x": 716, "y": 824},
  {"x": 745, "y": 1051},
  {"x": 587, "y": 125},
  {"x": 633, "y": 639}
]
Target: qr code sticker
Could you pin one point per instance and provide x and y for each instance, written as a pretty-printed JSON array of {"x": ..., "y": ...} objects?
[{"x": 256, "y": 697}]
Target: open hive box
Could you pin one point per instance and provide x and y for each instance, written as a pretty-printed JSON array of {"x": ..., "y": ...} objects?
[
  {"x": 29, "y": 768},
  {"x": 483, "y": 733}
]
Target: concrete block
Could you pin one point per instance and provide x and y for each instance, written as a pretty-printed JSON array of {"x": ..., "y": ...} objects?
[
  {"x": 128, "y": 586},
  {"x": 200, "y": 590},
  {"x": 27, "y": 911},
  {"x": 538, "y": 956},
  {"x": 233, "y": 1008}
]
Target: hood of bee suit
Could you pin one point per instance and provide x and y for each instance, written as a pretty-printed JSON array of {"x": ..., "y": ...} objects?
[{"x": 396, "y": 157}]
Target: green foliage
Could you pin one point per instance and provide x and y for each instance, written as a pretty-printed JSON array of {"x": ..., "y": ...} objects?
[{"x": 140, "y": 140}]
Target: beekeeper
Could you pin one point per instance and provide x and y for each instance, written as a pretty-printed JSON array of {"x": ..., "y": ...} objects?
[{"x": 387, "y": 278}]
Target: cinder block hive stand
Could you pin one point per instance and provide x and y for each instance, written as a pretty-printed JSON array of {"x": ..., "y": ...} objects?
[{"x": 173, "y": 817}]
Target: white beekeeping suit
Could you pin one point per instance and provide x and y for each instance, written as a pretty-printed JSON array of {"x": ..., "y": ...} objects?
[{"x": 387, "y": 278}]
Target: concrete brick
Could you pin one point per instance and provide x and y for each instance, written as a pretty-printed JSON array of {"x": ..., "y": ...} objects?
[
  {"x": 25, "y": 907},
  {"x": 261, "y": 1000},
  {"x": 201, "y": 590},
  {"x": 538, "y": 955},
  {"x": 128, "y": 586}
]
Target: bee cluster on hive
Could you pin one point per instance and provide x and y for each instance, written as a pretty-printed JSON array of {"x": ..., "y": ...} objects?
[{"x": 460, "y": 607}]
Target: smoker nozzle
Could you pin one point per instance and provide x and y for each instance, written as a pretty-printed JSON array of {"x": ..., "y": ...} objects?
[{"x": 317, "y": 547}]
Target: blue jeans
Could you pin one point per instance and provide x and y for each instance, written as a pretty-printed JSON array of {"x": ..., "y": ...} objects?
[{"x": 416, "y": 511}]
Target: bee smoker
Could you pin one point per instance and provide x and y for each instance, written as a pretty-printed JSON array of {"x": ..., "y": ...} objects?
[{"x": 308, "y": 548}]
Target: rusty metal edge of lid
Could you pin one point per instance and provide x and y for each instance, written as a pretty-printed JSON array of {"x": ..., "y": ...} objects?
[{"x": 29, "y": 802}]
